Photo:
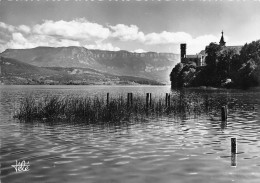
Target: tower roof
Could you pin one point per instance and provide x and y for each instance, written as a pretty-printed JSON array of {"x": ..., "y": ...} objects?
[{"x": 222, "y": 42}]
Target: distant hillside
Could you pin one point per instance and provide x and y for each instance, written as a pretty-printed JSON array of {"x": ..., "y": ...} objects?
[
  {"x": 16, "y": 72},
  {"x": 155, "y": 66}
]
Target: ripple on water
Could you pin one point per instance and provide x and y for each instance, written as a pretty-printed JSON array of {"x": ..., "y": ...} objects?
[{"x": 188, "y": 150}]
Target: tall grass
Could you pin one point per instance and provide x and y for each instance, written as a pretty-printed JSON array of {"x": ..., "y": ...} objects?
[{"x": 96, "y": 109}]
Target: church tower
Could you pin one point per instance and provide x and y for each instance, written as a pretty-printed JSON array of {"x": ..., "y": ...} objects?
[
  {"x": 222, "y": 42},
  {"x": 183, "y": 53}
]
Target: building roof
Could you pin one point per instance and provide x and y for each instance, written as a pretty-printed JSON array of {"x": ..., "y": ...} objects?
[
  {"x": 191, "y": 56},
  {"x": 202, "y": 52},
  {"x": 236, "y": 48}
]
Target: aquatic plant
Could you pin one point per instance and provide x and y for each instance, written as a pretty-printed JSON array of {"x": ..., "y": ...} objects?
[{"x": 117, "y": 109}]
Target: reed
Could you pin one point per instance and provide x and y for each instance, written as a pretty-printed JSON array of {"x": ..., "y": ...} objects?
[{"x": 100, "y": 110}]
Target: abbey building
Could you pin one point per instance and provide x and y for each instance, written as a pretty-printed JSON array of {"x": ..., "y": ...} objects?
[{"x": 199, "y": 58}]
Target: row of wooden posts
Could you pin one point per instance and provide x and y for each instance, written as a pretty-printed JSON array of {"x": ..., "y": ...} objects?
[
  {"x": 224, "y": 109},
  {"x": 224, "y": 112},
  {"x": 148, "y": 99}
]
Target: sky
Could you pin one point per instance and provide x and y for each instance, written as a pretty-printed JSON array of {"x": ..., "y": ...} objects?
[{"x": 132, "y": 25}]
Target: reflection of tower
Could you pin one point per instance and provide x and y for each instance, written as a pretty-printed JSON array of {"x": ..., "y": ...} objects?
[{"x": 183, "y": 52}]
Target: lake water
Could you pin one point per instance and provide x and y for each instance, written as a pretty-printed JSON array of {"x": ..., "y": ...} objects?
[{"x": 190, "y": 149}]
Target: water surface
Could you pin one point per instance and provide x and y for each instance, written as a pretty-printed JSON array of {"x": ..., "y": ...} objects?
[{"x": 188, "y": 149}]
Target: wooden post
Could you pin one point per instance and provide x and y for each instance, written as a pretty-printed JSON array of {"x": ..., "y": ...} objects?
[
  {"x": 233, "y": 145},
  {"x": 223, "y": 125},
  {"x": 107, "y": 99},
  {"x": 233, "y": 160},
  {"x": 169, "y": 100},
  {"x": 150, "y": 99},
  {"x": 121, "y": 100},
  {"x": 224, "y": 113},
  {"x": 131, "y": 98},
  {"x": 128, "y": 99},
  {"x": 233, "y": 152},
  {"x": 147, "y": 100},
  {"x": 166, "y": 100}
]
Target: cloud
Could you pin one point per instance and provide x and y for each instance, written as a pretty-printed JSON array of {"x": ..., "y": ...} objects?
[
  {"x": 2, "y": 47},
  {"x": 131, "y": 33},
  {"x": 126, "y": 33},
  {"x": 79, "y": 29},
  {"x": 167, "y": 38},
  {"x": 55, "y": 34},
  {"x": 19, "y": 41},
  {"x": 102, "y": 46},
  {"x": 18, "y": 37},
  {"x": 24, "y": 29},
  {"x": 139, "y": 51},
  {"x": 10, "y": 28},
  {"x": 81, "y": 32},
  {"x": 199, "y": 43}
]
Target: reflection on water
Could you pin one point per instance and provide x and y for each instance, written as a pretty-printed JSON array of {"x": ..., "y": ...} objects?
[{"x": 189, "y": 149}]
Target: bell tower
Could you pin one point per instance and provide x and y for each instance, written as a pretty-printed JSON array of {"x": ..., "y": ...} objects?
[
  {"x": 183, "y": 52},
  {"x": 222, "y": 42}
]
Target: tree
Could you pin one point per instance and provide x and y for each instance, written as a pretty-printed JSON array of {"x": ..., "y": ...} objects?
[
  {"x": 212, "y": 53},
  {"x": 175, "y": 75},
  {"x": 251, "y": 51},
  {"x": 211, "y": 60},
  {"x": 249, "y": 73},
  {"x": 227, "y": 62}
]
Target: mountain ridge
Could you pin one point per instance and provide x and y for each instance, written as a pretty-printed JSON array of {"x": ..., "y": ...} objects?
[
  {"x": 150, "y": 65},
  {"x": 16, "y": 72}
]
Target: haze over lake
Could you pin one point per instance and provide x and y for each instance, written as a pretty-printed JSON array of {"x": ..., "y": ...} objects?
[{"x": 177, "y": 149}]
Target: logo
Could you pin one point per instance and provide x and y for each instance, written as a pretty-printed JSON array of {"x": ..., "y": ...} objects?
[{"x": 21, "y": 166}]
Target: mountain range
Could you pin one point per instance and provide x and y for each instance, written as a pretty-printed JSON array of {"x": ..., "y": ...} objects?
[{"x": 72, "y": 65}]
